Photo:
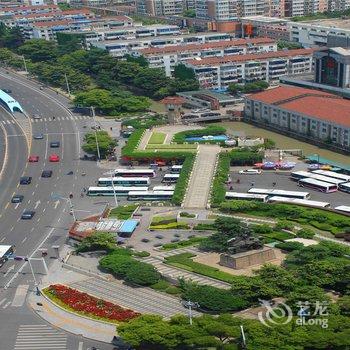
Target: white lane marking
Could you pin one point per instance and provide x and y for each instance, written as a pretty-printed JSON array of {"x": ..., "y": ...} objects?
[
  {"x": 20, "y": 295},
  {"x": 44, "y": 210},
  {"x": 16, "y": 206},
  {"x": 29, "y": 201},
  {"x": 46, "y": 146},
  {"x": 2, "y": 239},
  {"x": 80, "y": 346},
  {"x": 2, "y": 301},
  {"x": 33, "y": 193},
  {"x": 36, "y": 185},
  {"x": 12, "y": 228},
  {"x": 32, "y": 229},
  {"x": 37, "y": 203},
  {"x": 57, "y": 204},
  {"x": 6, "y": 305},
  {"x": 24, "y": 239},
  {"x": 38, "y": 220}
]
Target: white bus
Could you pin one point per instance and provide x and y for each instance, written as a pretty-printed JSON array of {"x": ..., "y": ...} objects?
[
  {"x": 124, "y": 181},
  {"x": 306, "y": 202},
  {"x": 176, "y": 169},
  {"x": 170, "y": 178},
  {"x": 282, "y": 193},
  {"x": 333, "y": 174},
  {"x": 5, "y": 252},
  {"x": 318, "y": 185},
  {"x": 247, "y": 196},
  {"x": 345, "y": 187},
  {"x": 164, "y": 188},
  {"x": 134, "y": 172},
  {"x": 150, "y": 195},
  {"x": 343, "y": 208},
  {"x": 297, "y": 175},
  {"x": 108, "y": 191}
]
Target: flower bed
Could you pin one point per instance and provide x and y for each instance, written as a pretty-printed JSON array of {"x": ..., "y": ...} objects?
[{"x": 88, "y": 305}]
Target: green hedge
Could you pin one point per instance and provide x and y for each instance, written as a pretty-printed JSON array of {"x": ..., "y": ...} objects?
[
  {"x": 289, "y": 246},
  {"x": 170, "y": 226},
  {"x": 321, "y": 219},
  {"x": 213, "y": 130},
  {"x": 245, "y": 157},
  {"x": 219, "y": 190},
  {"x": 163, "y": 220},
  {"x": 183, "y": 179},
  {"x": 204, "y": 227},
  {"x": 173, "y": 147},
  {"x": 185, "y": 243},
  {"x": 122, "y": 212}
]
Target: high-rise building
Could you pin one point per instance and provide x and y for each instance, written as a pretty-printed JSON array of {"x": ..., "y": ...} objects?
[
  {"x": 219, "y": 10},
  {"x": 253, "y": 7},
  {"x": 160, "y": 7}
]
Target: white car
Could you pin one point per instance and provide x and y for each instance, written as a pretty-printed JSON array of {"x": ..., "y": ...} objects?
[{"x": 250, "y": 172}]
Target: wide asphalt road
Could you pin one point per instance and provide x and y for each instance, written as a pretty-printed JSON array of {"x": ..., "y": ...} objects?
[{"x": 52, "y": 218}]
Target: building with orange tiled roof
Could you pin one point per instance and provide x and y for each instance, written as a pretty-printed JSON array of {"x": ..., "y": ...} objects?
[
  {"x": 220, "y": 72},
  {"x": 168, "y": 57},
  {"x": 310, "y": 114}
]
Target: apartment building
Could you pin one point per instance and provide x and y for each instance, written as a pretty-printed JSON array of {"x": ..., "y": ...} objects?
[
  {"x": 219, "y": 10},
  {"x": 162, "y": 7},
  {"x": 26, "y": 10},
  {"x": 253, "y": 7},
  {"x": 168, "y": 57},
  {"x": 310, "y": 114},
  {"x": 119, "y": 48},
  {"x": 220, "y": 72},
  {"x": 338, "y": 5},
  {"x": 319, "y": 33}
]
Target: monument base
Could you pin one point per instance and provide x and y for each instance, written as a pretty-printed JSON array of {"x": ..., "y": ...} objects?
[{"x": 246, "y": 259}]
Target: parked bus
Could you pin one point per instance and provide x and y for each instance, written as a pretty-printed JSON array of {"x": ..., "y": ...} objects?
[
  {"x": 247, "y": 196},
  {"x": 176, "y": 169},
  {"x": 164, "y": 188},
  {"x": 282, "y": 193},
  {"x": 5, "y": 252},
  {"x": 305, "y": 202},
  {"x": 170, "y": 178},
  {"x": 332, "y": 174},
  {"x": 345, "y": 187},
  {"x": 297, "y": 175},
  {"x": 318, "y": 185},
  {"x": 109, "y": 191},
  {"x": 343, "y": 208},
  {"x": 150, "y": 195},
  {"x": 134, "y": 173},
  {"x": 124, "y": 181}
]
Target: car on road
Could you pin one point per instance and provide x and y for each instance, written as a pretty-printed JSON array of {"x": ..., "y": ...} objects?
[
  {"x": 33, "y": 159},
  {"x": 27, "y": 214},
  {"x": 250, "y": 172},
  {"x": 46, "y": 173},
  {"x": 8, "y": 91},
  {"x": 37, "y": 116},
  {"x": 38, "y": 136},
  {"x": 55, "y": 144},
  {"x": 54, "y": 158},
  {"x": 17, "y": 198},
  {"x": 25, "y": 180}
]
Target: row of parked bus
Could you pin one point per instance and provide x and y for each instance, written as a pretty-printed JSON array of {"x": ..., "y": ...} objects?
[
  {"x": 134, "y": 184},
  {"x": 322, "y": 180}
]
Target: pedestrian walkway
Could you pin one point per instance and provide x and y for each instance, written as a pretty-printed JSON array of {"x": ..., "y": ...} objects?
[
  {"x": 40, "y": 337},
  {"x": 157, "y": 261},
  {"x": 144, "y": 140},
  {"x": 143, "y": 300},
  {"x": 200, "y": 181},
  {"x": 20, "y": 295},
  {"x": 68, "y": 117}
]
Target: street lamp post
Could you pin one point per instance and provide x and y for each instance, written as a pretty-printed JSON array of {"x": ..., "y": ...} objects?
[
  {"x": 34, "y": 278},
  {"x": 25, "y": 64},
  {"x": 71, "y": 206},
  {"x": 190, "y": 304},
  {"x": 95, "y": 124},
  {"x": 67, "y": 84}
]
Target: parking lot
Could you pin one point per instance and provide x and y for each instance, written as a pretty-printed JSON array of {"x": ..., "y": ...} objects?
[{"x": 283, "y": 182}]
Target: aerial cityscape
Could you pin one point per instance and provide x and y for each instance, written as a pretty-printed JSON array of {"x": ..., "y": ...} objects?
[{"x": 174, "y": 174}]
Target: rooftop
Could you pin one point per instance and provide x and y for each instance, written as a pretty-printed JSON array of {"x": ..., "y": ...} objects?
[
  {"x": 221, "y": 97},
  {"x": 336, "y": 23},
  {"x": 212, "y": 45},
  {"x": 313, "y": 103},
  {"x": 250, "y": 57}
]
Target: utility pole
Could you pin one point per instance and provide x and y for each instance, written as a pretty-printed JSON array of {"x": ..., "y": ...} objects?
[
  {"x": 67, "y": 84},
  {"x": 25, "y": 64},
  {"x": 37, "y": 290},
  {"x": 95, "y": 126},
  {"x": 114, "y": 193}
]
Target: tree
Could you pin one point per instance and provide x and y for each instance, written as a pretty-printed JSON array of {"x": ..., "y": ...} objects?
[
  {"x": 97, "y": 241},
  {"x": 234, "y": 88},
  {"x": 140, "y": 60},
  {"x": 105, "y": 143},
  {"x": 117, "y": 262},
  {"x": 39, "y": 50},
  {"x": 69, "y": 42},
  {"x": 182, "y": 72},
  {"x": 189, "y": 13},
  {"x": 150, "y": 80},
  {"x": 11, "y": 38},
  {"x": 142, "y": 274},
  {"x": 344, "y": 305}
]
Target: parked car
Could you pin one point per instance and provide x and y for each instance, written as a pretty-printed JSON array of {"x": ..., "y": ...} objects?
[{"x": 38, "y": 136}]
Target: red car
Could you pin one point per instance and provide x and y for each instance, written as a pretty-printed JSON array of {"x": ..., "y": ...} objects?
[
  {"x": 54, "y": 158},
  {"x": 33, "y": 159}
]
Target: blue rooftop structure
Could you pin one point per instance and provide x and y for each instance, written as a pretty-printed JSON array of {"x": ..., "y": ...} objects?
[
  {"x": 128, "y": 227},
  {"x": 10, "y": 102}
]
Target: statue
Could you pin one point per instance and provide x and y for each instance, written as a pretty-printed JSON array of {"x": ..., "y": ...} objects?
[{"x": 244, "y": 243}]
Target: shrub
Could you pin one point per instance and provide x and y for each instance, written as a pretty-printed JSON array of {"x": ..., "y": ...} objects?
[
  {"x": 123, "y": 212},
  {"x": 184, "y": 214},
  {"x": 97, "y": 241},
  {"x": 289, "y": 246},
  {"x": 245, "y": 157},
  {"x": 184, "y": 243},
  {"x": 284, "y": 225},
  {"x": 141, "y": 254},
  {"x": 117, "y": 264},
  {"x": 204, "y": 227},
  {"x": 218, "y": 191},
  {"x": 171, "y": 226},
  {"x": 142, "y": 274},
  {"x": 280, "y": 236},
  {"x": 160, "y": 285},
  {"x": 173, "y": 290},
  {"x": 163, "y": 220},
  {"x": 262, "y": 229},
  {"x": 306, "y": 233}
]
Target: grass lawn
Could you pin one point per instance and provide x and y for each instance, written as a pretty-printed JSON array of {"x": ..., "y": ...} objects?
[
  {"x": 157, "y": 138},
  {"x": 172, "y": 147},
  {"x": 123, "y": 212},
  {"x": 184, "y": 261},
  {"x": 185, "y": 243}
]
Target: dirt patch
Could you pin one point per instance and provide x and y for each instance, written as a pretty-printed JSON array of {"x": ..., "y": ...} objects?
[{"x": 212, "y": 259}]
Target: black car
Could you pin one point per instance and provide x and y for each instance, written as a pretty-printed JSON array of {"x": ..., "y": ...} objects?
[
  {"x": 46, "y": 173},
  {"x": 8, "y": 91},
  {"x": 25, "y": 180},
  {"x": 27, "y": 214},
  {"x": 17, "y": 198},
  {"x": 55, "y": 144}
]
